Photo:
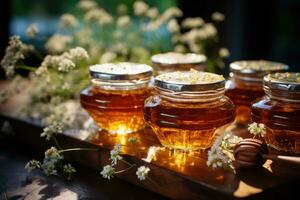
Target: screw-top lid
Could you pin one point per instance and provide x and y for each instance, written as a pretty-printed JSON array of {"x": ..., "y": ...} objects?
[
  {"x": 283, "y": 81},
  {"x": 121, "y": 71},
  {"x": 172, "y": 58},
  {"x": 189, "y": 81}
]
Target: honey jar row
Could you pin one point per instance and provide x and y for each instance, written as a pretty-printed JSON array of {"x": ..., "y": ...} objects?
[{"x": 187, "y": 108}]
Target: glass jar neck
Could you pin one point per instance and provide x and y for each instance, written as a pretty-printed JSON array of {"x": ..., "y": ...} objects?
[
  {"x": 121, "y": 84},
  {"x": 190, "y": 96},
  {"x": 248, "y": 80},
  {"x": 282, "y": 95}
]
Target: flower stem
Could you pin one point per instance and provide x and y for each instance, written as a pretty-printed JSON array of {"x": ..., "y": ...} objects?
[
  {"x": 78, "y": 149},
  {"x": 124, "y": 170},
  {"x": 56, "y": 142},
  {"x": 124, "y": 161},
  {"x": 29, "y": 68}
]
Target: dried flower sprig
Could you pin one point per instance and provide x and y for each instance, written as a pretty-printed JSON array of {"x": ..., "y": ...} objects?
[{"x": 257, "y": 129}]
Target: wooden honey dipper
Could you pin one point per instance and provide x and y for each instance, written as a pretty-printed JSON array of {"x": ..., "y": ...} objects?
[{"x": 252, "y": 153}]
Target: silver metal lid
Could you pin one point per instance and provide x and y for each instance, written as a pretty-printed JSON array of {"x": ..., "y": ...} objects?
[
  {"x": 258, "y": 67},
  {"x": 174, "y": 58},
  {"x": 283, "y": 81},
  {"x": 189, "y": 81},
  {"x": 121, "y": 71}
]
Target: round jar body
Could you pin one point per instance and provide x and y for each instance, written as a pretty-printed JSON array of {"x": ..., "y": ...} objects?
[
  {"x": 242, "y": 94},
  {"x": 117, "y": 111},
  {"x": 279, "y": 110},
  {"x": 188, "y": 126}
]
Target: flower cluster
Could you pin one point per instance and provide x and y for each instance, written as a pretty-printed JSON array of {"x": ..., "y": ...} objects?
[
  {"x": 58, "y": 43},
  {"x": 115, "y": 154},
  {"x": 32, "y": 30},
  {"x": 257, "y": 129},
  {"x": 108, "y": 172},
  {"x": 31, "y": 165},
  {"x": 68, "y": 170},
  {"x": 51, "y": 161},
  {"x": 221, "y": 153},
  {"x": 142, "y": 172},
  {"x": 52, "y": 129},
  {"x": 68, "y": 21}
]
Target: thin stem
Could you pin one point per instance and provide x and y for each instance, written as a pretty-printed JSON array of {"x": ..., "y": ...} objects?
[
  {"x": 78, "y": 149},
  {"x": 56, "y": 142},
  {"x": 150, "y": 179},
  {"x": 124, "y": 161},
  {"x": 124, "y": 170},
  {"x": 26, "y": 67}
]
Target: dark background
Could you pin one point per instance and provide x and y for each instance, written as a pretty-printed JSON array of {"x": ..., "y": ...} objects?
[{"x": 252, "y": 29}]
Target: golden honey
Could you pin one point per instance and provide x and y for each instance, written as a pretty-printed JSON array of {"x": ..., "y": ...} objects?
[
  {"x": 116, "y": 98},
  {"x": 279, "y": 110},
  {"x": 246, "y": 85},
  {"x": 173, "y": 61},
  {"x": 187, "y": 112}
]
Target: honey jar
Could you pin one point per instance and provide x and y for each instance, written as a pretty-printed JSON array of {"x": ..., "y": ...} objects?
[
  {"x": 245, "y": 85},
  {"x": 116, "y": 97},
  {"x": 173, "y": 61},
  {"x": 188, "y": 109},
  {"x": 279, "y": 110}
]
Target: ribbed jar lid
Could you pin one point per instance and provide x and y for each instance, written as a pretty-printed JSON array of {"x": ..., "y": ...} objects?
[
  {"x": 283, "y": 81},
  {"x": 121, "y": 71},
  {"x": 258, "y": 67},
  {"x": 189, "y": 81},
  {"x": 172, "y": 58}
]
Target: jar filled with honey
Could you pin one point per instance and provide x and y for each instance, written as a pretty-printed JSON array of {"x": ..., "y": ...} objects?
[
  {"x": 246, "y": 85},
  {"x": 188, "y": 109},
  {"x": 173, "y": 61},
  {"x": 116, "y": 97},
  {"x": 279, "y": 110}
]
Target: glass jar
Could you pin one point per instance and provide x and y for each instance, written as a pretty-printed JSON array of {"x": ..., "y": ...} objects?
[
  {"x": 116, "y": 98},
  {"x": 188, "y": 109},
  {"x": 245, "y": 85},
  {"x": 279, "y": 110},
  {"x": 173, "y": 61}
]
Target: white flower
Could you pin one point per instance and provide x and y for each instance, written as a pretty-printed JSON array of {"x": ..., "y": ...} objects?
[
  {"x": 217, "y": 16},
  {"x": 32, "y": 30},
  {"x": 123, "y": 21},
  {"x": 171, "y": 12},
  {"x": 78, "y": 53},
  {"x": 192, "y": 22},
  {"x": 107, "y": 57},
  {"x": 122, "y": 9},
  {"x": 173, "y": 26},
  {"x": 68, "y": 21},
  {"x": 66, "y": 65},
  {"x": 115, "y": 154},
  {"x": 140, "y": 7},
  {"x": 53, "y": 154},
  {"x": 31, "y": 165},
  {"x": 58, "y": 43},
  {"x": 224, "y": 53},
  {"x": 14, "y": 52},
  {"x": 142, "y": 172},
  {"x": 108, "y": 172},
  {"x": 257, "y": 129},
  {"x": 68, "y": 170},
  {"x": 86, "y": 5},
  {"x": 90, "y": 125},
  {"x": 210, "y": 30},
  {"x": 152, "y": 13},
  {"x": 99, "y": 16},
  {"x": 52, "y": 129},
  {"x": 180, "y": 48}
]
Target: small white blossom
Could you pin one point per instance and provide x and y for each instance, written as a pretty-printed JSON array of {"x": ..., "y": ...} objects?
[
  {"x": 108, "y": 172},
  {"x": 99, "y": 16},
  {"x": 224, "y": 53},
  {"x": 140, "y": 7},
  {"x": 122, "y": 9},
  {"x": 152, "y": 13},
  {"x": 66, "y": 65},
  {"x": 257, "y": 129},
  {"x": 51, "y": 161},
  {"x": 53, "y": 154},
  {"x": 31, "y": 165},
  {"x": 173, "y": 26},
  {"x": 217, "y": 16},
  {"x": 52, "y": 129},
  {"x": 86, "y": 5},
  {"x": 32, "y": 30},
  {"x": 108, "y": 57},
  {"x": 78, "y": 53},
  {"x": 68, "y": 21},
  {"x": 58, "y": 43},
  {"x": 115, "y": 154},
  {"x": 180, "y": 48},
  {"x": 142, "y": 172},
  {"x": 192, "y": 22},
  {"x": 123, "y": 21},
  {"x": 170, "y": 13},
  {"x": 68, "y": 170}
]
